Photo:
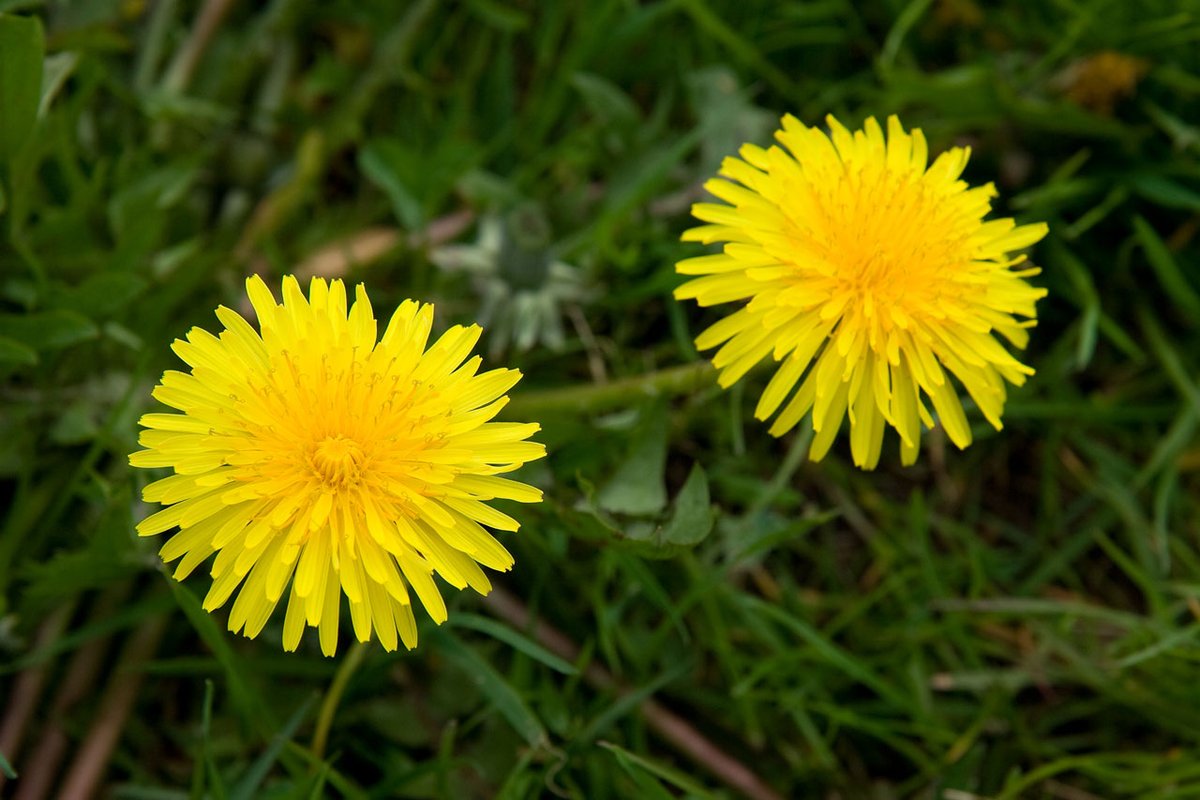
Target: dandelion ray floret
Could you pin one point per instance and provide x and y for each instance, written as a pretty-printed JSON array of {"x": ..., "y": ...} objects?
[
  {"x": 316, "y": 459},
  {"x": 871, "y": 277}
]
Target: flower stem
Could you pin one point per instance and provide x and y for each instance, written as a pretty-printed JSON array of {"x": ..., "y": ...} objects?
[
  {"x": 333, "y": 697},
  {"x": 592, "y": 398}
]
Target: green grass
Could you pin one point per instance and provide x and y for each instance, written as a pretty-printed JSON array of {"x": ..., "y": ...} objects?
[{"x": 1017, "y": 620}]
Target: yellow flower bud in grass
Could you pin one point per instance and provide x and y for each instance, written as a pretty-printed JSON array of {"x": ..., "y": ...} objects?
[
  {"x": 316, "y": 459},
  {"x": 871, "y": 277}
]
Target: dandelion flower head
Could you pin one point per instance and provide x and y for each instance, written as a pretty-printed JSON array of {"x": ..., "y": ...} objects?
[
  {"x": 316, "y": 460},
  {"x": 870, "y": 277}
]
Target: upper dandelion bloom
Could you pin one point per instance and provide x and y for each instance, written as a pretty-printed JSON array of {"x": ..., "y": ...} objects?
[
  {"x": 315, "y": 455},
  {"x": 871, "y": 275}
]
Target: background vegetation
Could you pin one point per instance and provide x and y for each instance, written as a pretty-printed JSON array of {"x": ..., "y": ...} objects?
[{"x": 696, "y": 610}]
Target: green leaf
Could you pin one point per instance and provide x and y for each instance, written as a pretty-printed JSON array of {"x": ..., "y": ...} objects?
[
  {"x": 48, "y": 330},
  {"x": 637, "y": 486},
  {"x": 825, "y": 651},
  {"x": 57, "y": 68},
  {"x": 499, "y": 15},
  {"x": 138, "y": 212},
  {"x": 247, "y": 787},
  {"x": 692, "y": 517},
  {"x": 1164, "y": 191},
  {"x": 248, "y": 702},
  {"x": 6, "y": 768},
  {"x": 510, "y": 704},
  {"x": 22, "y": 47},
  {"x": 607, "y": 102},
  {"x": 513, "y": 639},
  {"x": 76, "y": 424},
  {"x": 99, "y": 295},
  {"x": 110, "y": 555},
  {"x": 205, "y": 767},
  {"x": 13, "y": 352},
  {"x": 385, "y": 164},
  {"x": 634, "y": 763},
  {"x": 691, "y": 521},
  {"x": 1172, "y": 279},
  {"x": 130, "y": 616}
]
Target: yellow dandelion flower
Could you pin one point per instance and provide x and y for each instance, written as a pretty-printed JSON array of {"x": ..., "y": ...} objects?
[
  {"x": 316, "y": 456},
  {"x": 871, "y": 275}
]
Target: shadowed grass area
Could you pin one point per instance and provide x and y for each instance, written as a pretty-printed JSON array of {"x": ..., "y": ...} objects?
[{"x": 696, "y": 610}]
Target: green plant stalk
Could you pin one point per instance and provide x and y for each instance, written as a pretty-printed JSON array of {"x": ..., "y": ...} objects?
[
  {"x": 593, "y": 398},
  {"x": 333, "y": 698}
]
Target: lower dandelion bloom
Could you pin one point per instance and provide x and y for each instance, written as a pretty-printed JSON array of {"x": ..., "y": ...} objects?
[
  {"x": 316, "y": 456},
  {"x": 870, "y": 275}
]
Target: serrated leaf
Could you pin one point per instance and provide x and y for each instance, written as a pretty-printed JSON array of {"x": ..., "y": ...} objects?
[
  {"x": 109, "y": 556},
  {"x": 692, "y": 518},
  {"x": 637, "y": 486},
  {"x": 48, "y": 330},
  {"x": 22, "y": 48},
  {"x": 690, "y": 522}
]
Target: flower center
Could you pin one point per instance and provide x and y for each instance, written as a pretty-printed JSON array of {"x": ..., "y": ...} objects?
[
  {"x": 897, "y": 247},
  {"x": 337, "y": 461}
]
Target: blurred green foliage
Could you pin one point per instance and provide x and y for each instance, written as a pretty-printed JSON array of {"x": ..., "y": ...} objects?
[{"x": 1016, "y": 620}]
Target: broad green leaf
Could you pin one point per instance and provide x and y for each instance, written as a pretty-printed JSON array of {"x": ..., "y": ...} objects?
[
  {"x": 99, "y": 295},
  {"x": 48, "y": 330},
  {"x": 139, "y": 211},
  {"x": 13, "y": 352},
  {"x": 57, "y": 68},
  {"x": 76, "y": 424},
  {"x": 22, "y": 47},
  {"x": 6, "y": 768}
]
